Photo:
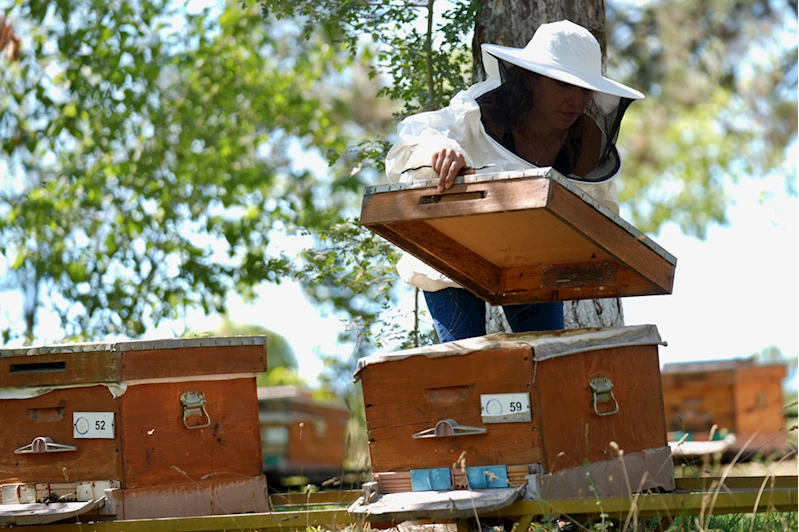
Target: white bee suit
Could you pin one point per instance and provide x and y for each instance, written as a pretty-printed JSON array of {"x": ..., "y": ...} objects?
[{"x": 458, "y": 126}]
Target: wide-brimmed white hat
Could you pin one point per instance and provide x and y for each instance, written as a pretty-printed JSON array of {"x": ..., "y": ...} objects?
[{"x": 561, "y": 50}]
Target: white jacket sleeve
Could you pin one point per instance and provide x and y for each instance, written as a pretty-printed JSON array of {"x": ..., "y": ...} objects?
[
  {"x": 420, "y": 136},
  {"x": 458, "y": 127}
]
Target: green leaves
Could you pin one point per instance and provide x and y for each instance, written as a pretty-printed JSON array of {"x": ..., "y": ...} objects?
[
  {"x": 721, "y": 105},
  {"x": 426, "y": 67},
  {"x": 150, "y": 155}
]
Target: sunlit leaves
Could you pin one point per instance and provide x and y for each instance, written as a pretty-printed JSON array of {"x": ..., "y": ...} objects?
[
  {"x": 720, "y": 79},
  {"x": 680, "y": 174},
  {"x": 149, "y": 157},
  {"x": 426, "y": 67}
]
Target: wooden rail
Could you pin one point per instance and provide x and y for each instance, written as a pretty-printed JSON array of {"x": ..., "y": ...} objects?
[
  {"x": 702, "y": 497},
  {"x": 692, "y": 497}
]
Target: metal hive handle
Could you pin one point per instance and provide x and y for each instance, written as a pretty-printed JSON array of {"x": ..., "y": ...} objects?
[
  {"x": 449, "y": 427},
  {"x": 44, "y": 444}
]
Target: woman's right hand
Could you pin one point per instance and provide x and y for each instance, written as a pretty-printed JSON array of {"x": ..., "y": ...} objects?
[{"x": 448, "y": 164}]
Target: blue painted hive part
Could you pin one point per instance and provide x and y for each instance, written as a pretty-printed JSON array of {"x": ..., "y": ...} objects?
[
  {"x": 438, "y": 479},
  {"x": 483, "y": 477}
]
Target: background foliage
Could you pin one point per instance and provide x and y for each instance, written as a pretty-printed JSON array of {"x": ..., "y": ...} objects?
[
  {"x": 721, "y": 80},
  {"x": 151, "y": 151}
]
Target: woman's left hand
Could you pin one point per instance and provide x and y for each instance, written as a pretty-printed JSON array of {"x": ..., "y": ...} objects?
[{"x": 448, "y": 164}]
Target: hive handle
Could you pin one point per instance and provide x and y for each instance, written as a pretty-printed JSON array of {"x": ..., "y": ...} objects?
[
  {"x": 602, "y": 392},
  {"x": 449, "y": 427},
  {"x": 452, "y": 196},
  {"x": 44, "y": 444}
]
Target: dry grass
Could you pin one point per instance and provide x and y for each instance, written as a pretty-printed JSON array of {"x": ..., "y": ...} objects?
[{"x": 755, "y": 468}]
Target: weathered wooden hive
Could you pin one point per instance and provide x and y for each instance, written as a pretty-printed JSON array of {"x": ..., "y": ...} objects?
[
  {"x": 301, "y": 436},
  {"x": 549, "y": 415},
  {"x": 131, "y": 430},
  {"x": 543, "y": 415},
  {"x": 703, "y": 399}
]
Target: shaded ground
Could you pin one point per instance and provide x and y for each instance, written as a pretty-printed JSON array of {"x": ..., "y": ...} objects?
[{"x": 752, "y": 468}]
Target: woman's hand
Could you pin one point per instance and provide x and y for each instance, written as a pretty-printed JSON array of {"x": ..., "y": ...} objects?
[{"x": 448, "y": 164}]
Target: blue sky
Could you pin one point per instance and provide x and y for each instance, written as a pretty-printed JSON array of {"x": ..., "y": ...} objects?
[{"x": 735, "y": 293}]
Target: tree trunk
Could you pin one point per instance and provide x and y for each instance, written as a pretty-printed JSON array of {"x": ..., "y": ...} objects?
[
  {"x": 512, "y": 23},
  {"x": 576, "y": 314}
]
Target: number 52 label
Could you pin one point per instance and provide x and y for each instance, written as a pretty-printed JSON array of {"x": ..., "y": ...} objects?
[
  {"x": 93, "y": 425},
  {"x": 505, "y": 407}
]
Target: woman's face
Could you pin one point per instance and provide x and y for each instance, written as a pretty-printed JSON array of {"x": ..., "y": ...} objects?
[{"x": 560, "y": 103}]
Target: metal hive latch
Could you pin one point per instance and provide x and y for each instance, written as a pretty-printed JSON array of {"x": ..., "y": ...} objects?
[
  {"x": 193, "y": 402},
  {"x": 602, "y": 392}
]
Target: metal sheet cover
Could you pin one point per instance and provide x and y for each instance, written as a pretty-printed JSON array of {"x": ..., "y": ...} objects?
[
  {"x": 41, "y": 513},
  {"x": 135, "y": 345},
  {"x": 544, "y": 345}
]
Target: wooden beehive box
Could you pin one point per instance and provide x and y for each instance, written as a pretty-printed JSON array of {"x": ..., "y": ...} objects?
[
  {"x": 738, "y": 396},
  {"x": 537, "y": 407},
  {"x": 131, "y": 430},
  {"x": 520, "y": 237},
  {"x": 301, "y": 436}
]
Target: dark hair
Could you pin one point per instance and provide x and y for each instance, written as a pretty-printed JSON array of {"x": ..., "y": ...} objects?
[{"x": 504, "y": 108}]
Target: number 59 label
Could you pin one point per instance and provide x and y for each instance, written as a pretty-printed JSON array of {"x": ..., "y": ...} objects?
[
  {"x": 505, "y": 407},
  {"x": 93, "y": 425}
]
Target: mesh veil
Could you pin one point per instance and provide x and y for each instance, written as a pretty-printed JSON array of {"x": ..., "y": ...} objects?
[{"x": 509, "y": 103}]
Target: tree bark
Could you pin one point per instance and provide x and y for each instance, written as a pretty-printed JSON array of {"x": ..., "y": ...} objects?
[{"x": 513, "y": 23}]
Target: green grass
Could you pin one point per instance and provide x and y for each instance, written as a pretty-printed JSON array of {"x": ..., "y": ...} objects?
[
  {"x": 743, "y": 523},
  {"x": 774, "y": 522}
]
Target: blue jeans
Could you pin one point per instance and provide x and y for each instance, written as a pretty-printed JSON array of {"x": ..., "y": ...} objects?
[{"x": 459, "y": 314}]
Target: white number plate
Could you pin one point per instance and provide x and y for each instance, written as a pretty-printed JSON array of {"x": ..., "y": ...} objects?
[
  {"x": 93, "y": 425},
  {"x": 506, "y": 407}
]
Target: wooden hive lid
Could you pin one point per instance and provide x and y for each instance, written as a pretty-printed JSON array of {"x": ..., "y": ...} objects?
[
  {"x": 709, "y": 365},
  {"x": 132, "y": 362},
  {"x": 544, "y": 345},
  {"x": 729, "y": 367},
  {"x": 133, "y": 345},
  {"x": 295, "y": 395},
  {"x": 520, "y": 237}
]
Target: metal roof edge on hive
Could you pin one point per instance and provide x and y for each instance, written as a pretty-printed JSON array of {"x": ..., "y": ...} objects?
[
  {"x": 545, "y": 345},
  {"x": 134, "y": 345},
  {"x": 547, "y": 173}
]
